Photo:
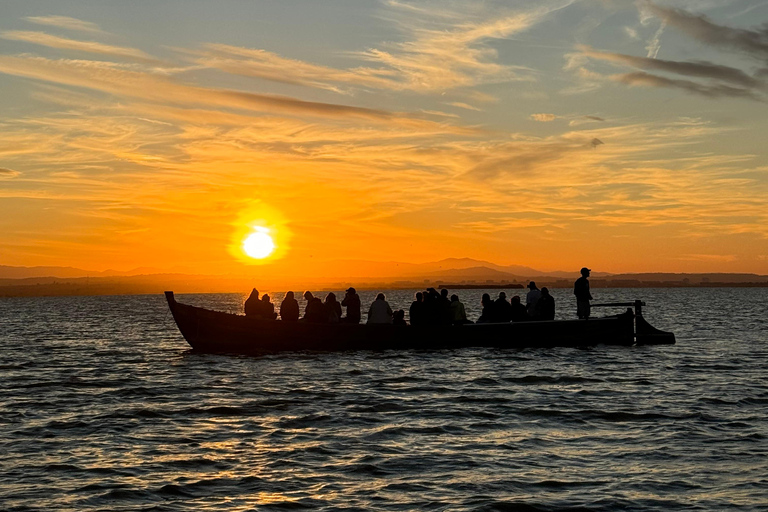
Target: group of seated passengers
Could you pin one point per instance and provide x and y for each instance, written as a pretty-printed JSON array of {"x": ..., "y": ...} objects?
[
  {"x": 428, "y": 308},
  {"x": 316, "y": 311},
  {"x": 540, "y": 305},
  {"x": 261, "y": 308},
  {"x": 432, "y": 308}
]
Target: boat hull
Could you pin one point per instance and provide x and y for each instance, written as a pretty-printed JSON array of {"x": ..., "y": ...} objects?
[{"x": 217, "y": 332}]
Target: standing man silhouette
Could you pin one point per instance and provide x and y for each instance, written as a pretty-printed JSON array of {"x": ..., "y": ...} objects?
[{"x": 581, "y": 291}]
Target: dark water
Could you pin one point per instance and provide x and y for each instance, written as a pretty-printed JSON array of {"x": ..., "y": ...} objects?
[{"x": 102, "y": 407}]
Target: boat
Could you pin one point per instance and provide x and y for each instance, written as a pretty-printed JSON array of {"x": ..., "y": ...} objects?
[{"x": 226, "y": 333}]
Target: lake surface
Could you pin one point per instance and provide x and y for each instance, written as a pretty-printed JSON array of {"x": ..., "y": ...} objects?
[{"x": 103, "y": 407}]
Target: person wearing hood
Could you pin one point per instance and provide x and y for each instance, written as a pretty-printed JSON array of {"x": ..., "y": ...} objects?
[
  {"x": 458, "y": 312},
  {"x": 253, "y": 304},
  {"x": 545, "y": 307},
  {"x": 332, "y": 308},
  {"x": 532, "y": 298},
  {"x": 380, "y": 312},
  {"x": 289, "y": 308},
  {"x": 314, "y": 311},
  {"x": 487, "y": 315}
]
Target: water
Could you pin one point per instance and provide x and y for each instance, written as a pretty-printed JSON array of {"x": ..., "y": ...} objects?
[{"x": 102, "y": 407}]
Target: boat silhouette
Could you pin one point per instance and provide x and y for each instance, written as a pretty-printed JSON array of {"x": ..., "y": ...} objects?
[{"x": 217, "y": 332}]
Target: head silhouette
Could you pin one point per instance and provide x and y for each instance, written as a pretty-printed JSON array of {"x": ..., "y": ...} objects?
[
  {"x": 380, "y": 297},
  {"x": 331, "y": 297},
  {"x": 585, "y": 271},
  {"x": 265, "y": 298},
  {"x": 308, "y": 295},
  {"x": 289, "y": 295}
]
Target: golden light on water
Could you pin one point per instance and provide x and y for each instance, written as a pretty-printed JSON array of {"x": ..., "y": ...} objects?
[{"x": 259, "y": 244}]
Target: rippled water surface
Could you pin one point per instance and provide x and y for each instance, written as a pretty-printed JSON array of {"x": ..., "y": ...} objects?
[{"x": 103, "y": 407}]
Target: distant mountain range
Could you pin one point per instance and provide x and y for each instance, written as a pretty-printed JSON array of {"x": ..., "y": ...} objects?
[
  {"x": 463, "y": 269},
  {"x": 334, "y": 269},
  {"x": 334, "y": 275},
  {"x": 8, "y": 272}
]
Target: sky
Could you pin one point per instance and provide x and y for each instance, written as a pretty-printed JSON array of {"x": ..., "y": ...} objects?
[{"x": 627, "y": 136}]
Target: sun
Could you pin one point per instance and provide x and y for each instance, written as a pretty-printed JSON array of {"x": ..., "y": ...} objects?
[
  {"x": 259, "y": 244},
  {"x": 261, "y": 235}
]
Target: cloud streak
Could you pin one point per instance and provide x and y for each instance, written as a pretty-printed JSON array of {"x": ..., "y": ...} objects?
[
  {"x": 702, "y": 78},
  {"x": 698, "y": 69},
  {"x": 751, "y": 42},
  {"x": 270, "y": 66},
  {"x": 445, "y": 58},
  {"x": 66, "y": 22},
  {"x": 8, "y": 173},
  {"x": 63, "y": 43},
  {"x": 543, "y": 118},
  {"x": 113, "y": 79},
  {"x": 711, "y": 91},
  {"x": 452, "y": 55}
]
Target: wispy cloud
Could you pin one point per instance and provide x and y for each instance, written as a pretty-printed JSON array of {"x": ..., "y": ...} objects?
[
  {"x": 465, "y": 106},
  {"x": 711, "y": 91},
  {"x": 8, "y": 173},
  {"x": 66, "y": 22},
  {"x": 699, "y": 69},
  {"x": 110, "y": 78},
  {"x": 751, "y": 42},
  {"x": 573, "y": 119},
  {"x": 270, "y": 66},
  {"x": 653, "y": 46},
  {"x": 455, "y": 56},
  {"x": 710, "y": 79},
  {"x": 746, "y": 85},
  {"x": 717, "y": 258},
  {"x": 580, "y": 120},
  {"x": 451, "y": 55},
  {"x": 63, "y": 43}
]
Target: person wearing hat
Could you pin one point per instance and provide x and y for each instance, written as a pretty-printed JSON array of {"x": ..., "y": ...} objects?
[
  {"x": 581, "y": 291},
  {"x": 534, "y": 294},
  {"x": 351, "y": 301}
]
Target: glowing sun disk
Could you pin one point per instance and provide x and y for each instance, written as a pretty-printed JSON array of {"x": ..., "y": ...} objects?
[{"x": 259, "y": 244}]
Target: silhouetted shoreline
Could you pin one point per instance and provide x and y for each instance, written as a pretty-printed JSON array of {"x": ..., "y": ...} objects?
[
  {"x": 157, "y": 284},
  {"x": 511, "y": 286}
]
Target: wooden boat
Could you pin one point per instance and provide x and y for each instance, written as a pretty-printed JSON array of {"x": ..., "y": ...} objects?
[{"x": 217, "y": 332}]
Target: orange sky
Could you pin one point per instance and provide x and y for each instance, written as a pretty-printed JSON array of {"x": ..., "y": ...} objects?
[{"x": 553, "y": 135}]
